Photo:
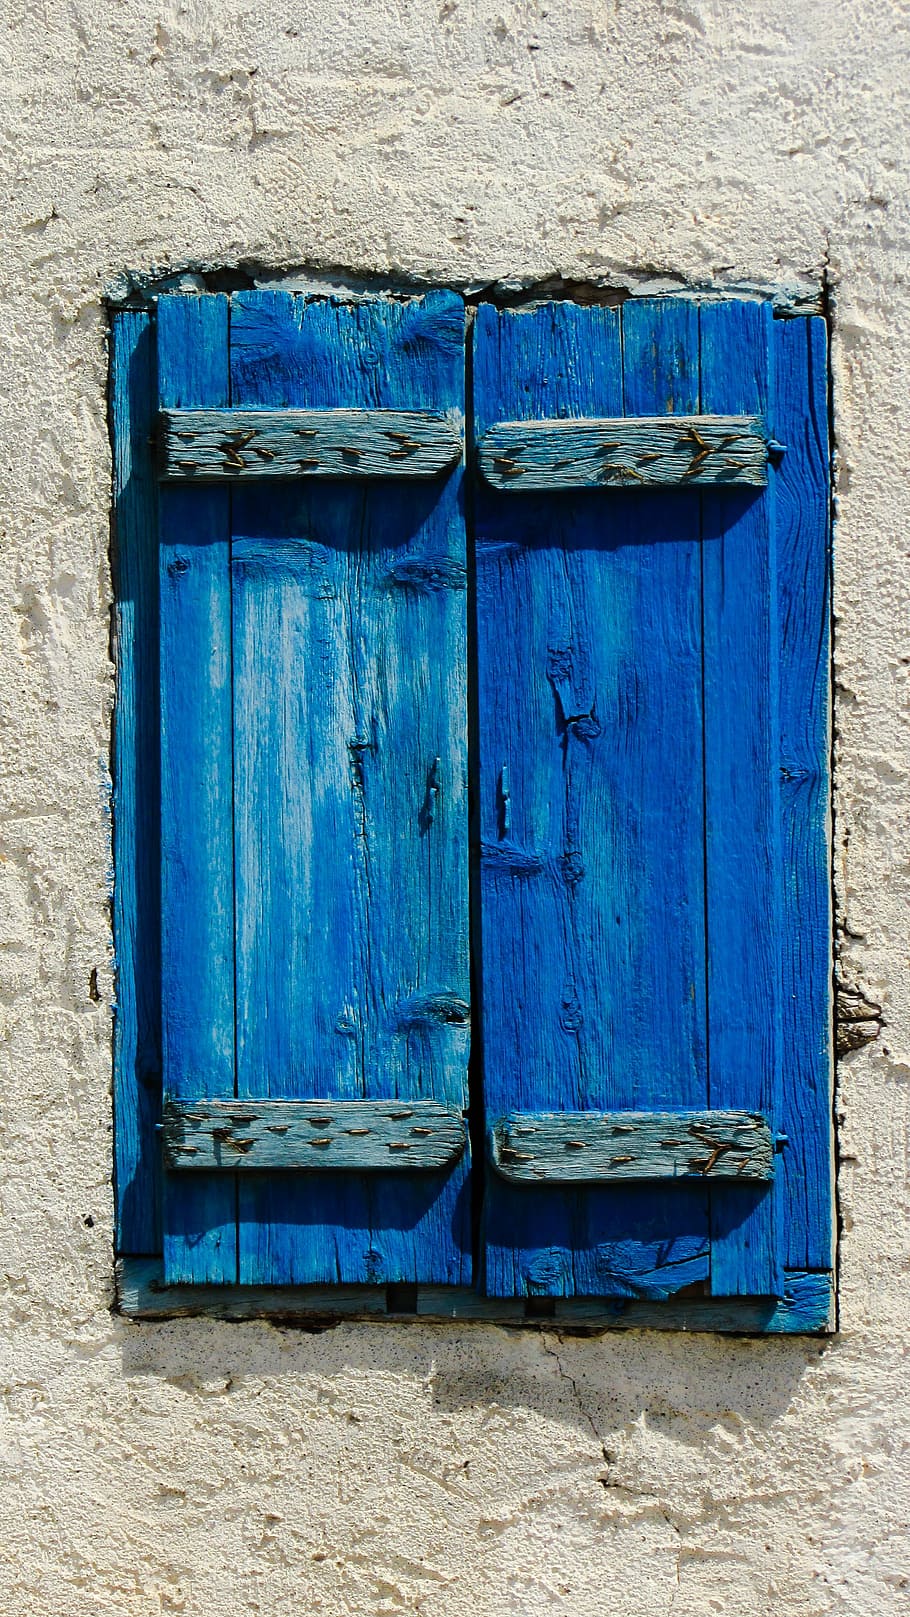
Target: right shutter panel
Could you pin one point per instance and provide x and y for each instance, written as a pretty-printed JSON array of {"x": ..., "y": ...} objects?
[{"x": 590, "y": 800}]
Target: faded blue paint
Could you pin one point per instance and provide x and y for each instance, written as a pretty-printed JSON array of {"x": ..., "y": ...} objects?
[{"x": 806, "y": 1305}]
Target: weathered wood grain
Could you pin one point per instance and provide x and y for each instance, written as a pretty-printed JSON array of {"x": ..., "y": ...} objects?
[
  {"x": 590, "y": 1147},
  {"x": 647, "y": 451},
  {"x": 806, "y": 1306},
  {"x": 136, "y": 772},
  {"x": 664, "y": 745},
  {"x": 350, "y": 745},
  {"x": 592, "y": 884},
  {"x": 742, "y": 801},
  {"x": 197, "y": 865},
  {"x": 313, "y": 1136},
  {"x": 801, "y": 508},
  {"x": 202, "y": 446}
]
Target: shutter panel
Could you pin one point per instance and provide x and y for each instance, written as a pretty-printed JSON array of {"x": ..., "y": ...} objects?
[
  {"x": 593, "y": 880},
  {"x": 346, "y": 595},
  {"x": 635, "y": 846}
]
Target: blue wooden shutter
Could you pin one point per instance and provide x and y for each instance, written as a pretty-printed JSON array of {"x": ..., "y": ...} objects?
[
  {"x": 652, "y": 684},
  {"x": 314, "y": 821},
  {"x": 651, "y": 780}
]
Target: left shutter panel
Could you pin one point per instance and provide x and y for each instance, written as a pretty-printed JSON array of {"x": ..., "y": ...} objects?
[
  {"x": 346, "y": 1144},
  {"x": 197, "y": 871}
]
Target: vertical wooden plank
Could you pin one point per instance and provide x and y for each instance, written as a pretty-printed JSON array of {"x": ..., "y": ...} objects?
[
  {"x": 656, "y": 783},
  {"x": 197, "y": 938},
  {"x": 590, "y": 791},
  {"x": 742, "y": 803},
  {"x": 802, "y": 496},
  {"x": 351, "y": 789},
  {"x": 137, "y": 1023}
]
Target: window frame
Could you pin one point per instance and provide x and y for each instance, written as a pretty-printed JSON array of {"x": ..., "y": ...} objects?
[{"x": 809, "y": 1302}]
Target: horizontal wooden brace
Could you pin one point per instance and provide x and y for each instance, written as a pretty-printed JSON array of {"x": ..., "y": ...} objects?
[
  {"x": 312, "y": 1135},
  {"x": 807, "y": 1305},
  {"x": 600, "y": 1147},
  {"x": 205, "y": 446},
  {"x": 626, "y": 452}
]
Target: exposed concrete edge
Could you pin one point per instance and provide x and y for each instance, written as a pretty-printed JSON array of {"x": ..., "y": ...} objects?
[{"x": 139, "y": 287}]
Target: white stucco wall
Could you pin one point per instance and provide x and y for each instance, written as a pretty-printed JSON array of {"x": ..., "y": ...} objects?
[{"x": 206, "y": 1468}]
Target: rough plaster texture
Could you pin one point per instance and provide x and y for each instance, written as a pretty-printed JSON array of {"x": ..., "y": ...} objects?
[{"x": 199, "y": 1467}]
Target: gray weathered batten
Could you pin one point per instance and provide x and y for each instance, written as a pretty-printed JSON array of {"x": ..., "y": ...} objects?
[
  {"x": 359, "y": 1135},
  {"x": 625, "y": 452},
  {"x": 592, "y": 1147},
  {"x": 204, "y": 446}
]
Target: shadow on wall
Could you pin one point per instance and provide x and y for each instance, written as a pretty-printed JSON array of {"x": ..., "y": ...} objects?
[{"x": 685, "y": 1383}]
